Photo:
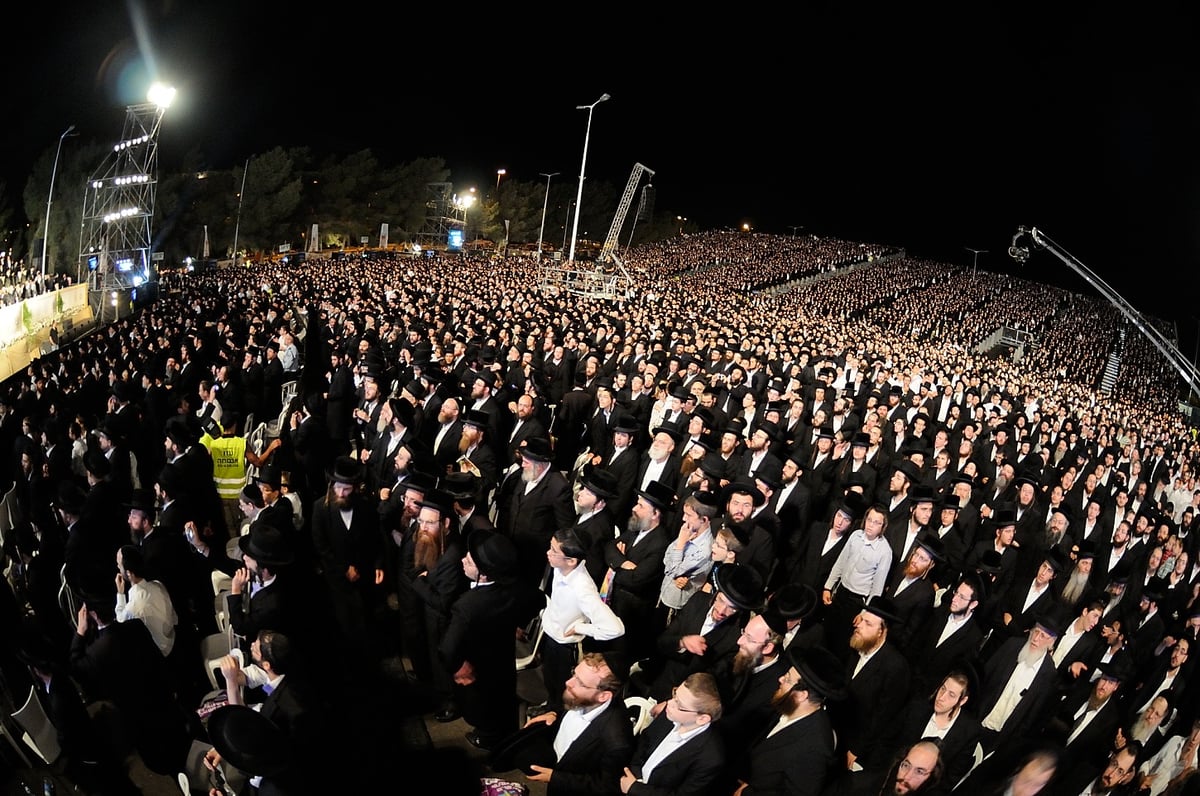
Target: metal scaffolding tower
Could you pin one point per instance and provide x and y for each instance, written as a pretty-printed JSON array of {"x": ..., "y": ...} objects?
[
  {"x": 444, "y": 213},
  {"x": 118, "y": 206},
  {"x": 608, "y": 279}
]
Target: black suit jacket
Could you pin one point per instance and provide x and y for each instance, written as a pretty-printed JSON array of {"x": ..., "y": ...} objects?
[
  {"x": 996, "y": 672},
  {"x": 691, "y": 769},
  {"x": 866, "y": 724},
  {"x": 531, "y": 519},
  {"x": 958, "y": 745},
  {"x": 796, "y": 761},
  {"x": 122, "y": 663},
  {"x": 930, "y": 661},
  {"x": 625, "y": 468},
  {"x": 593, "y": 763},
  {"x": 675, "y": 666}
]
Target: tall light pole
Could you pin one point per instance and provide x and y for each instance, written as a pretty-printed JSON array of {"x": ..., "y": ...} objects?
[
  {"x": 50, "y": 198},
  {"x": 545, "y": 202},
  {"x": 975, "y": 264},
  {"x": 237, "y": 225},
  {"x": 582, "y": 169},
  {"x": 499, "y": 173}
]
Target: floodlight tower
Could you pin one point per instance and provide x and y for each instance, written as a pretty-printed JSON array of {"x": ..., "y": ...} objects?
[{"x": 118, "y": 208}]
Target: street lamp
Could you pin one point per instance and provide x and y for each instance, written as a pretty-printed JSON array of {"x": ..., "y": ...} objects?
[
  {"x": 499, "y": 173},
  {"x": 975, "y": 264},
  {"x": 582, "y": 166},
  {"x": 50, "y": 197},
  {"x": 545, "y": 202},
  {"x": 682, "y": 220}
]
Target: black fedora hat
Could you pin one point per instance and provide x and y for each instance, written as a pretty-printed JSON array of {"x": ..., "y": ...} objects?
[
  {"x": 476, "y": 418},
  {"x": 909, "y": 470},
  {"x": 922, "y": 493},
  {"x": 249, "y": 740},
  {"x": 1057, "y": 559},
  {"x": 884, "y": 608},
  {"x": 537, "y": 449},
  {"x": 931, "y": 543},
  {"x": 823, "y": 672},
  {"x": 658, "y": 495},
  {"x": 793, "y": 600},
  {"x": 990, "y": 563},
  {"x": 743, "y": 487},
  {"x": 461, "y": 486},
  {"x": 70, "y": 497},
  {"x": 1004, "y": 515},
  {"x": 266, "y": 544},
  {"x": 181, "y": 433},
  {"x": 1054, "y": 619},
  {"x": 494, "y": 555},
  {"x": 853, "y": 505},
  {"x": 625, "y": 424},
  {"x": 142, "y": 500},
  {"x": 527, "y": 747},
  {"x": 440, "y": 501},
  {"x": 601, "y": 482},
  {"x": 673, "y": 431},
  {"x": 345, "y": 471},
  {"x": 270, "y": 475},
  {"x": 741, "y": 584}
]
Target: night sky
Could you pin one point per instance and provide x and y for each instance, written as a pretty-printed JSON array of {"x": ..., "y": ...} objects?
[{"x": 933, "y": 133}]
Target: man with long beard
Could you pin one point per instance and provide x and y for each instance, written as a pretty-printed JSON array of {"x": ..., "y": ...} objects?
[
  {"x": 749, "y": 681},
  {"x": 1076, "y": 586},
  {"x": 438, "y": 550},
  {"x": 796, "y": 755}
]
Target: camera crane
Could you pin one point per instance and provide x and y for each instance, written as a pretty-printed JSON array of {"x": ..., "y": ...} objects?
[{"x": 1028, "y": 238}]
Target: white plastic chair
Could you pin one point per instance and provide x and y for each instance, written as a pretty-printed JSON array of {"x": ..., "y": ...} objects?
[
  {"x": 643, "y": 706},
  {"x": 40, "y": 733}
]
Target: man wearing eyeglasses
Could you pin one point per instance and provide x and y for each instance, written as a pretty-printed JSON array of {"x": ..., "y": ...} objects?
[
  {"x": 583, "y": 749},
  {"x": 677, "y": 753},
  {"x": 1115, "y": 779}
]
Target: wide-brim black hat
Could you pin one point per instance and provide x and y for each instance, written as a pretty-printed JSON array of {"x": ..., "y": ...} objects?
[
  {"x": 741, "y": 584},
  {"x": 909, "y": 470},
  {"x": 345, "y": 471},
  {"x": 494, "y": 555},
  {"x": 270, "y": 475},
  {"x": 266, "y": 544},
  {"x": 740, "y": 487},
  {"x": 527, "y": 747},
  {"x": 671, "y": 430},
  {"x": 884, "y": 608},
  {"x": 249, "y": 741},
  {"x": 1054, "y": 620},
  {"x": 931, "y": 543},
  {"x": 853, "y": 505},
  {"x": 601, "y": 483},
  {"x": 142, "y": 500},
  {"x": 477, "y": 418},
  {"x": 460, "y": 486},
  {"x": 793, "y": 600},
  {"x": 823, "y": 672},
  {"x": 538, "y": 449},
  {"x": 658, "y": 495}
]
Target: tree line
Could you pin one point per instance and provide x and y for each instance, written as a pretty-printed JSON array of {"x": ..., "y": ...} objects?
[{"x": 286, "y": 191}]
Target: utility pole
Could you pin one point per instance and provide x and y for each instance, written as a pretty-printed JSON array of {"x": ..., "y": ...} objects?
[{"x": 975, "y": 264}]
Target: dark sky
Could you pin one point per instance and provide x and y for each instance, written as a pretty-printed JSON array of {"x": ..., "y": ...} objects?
[{"x": 935, "y": 133}]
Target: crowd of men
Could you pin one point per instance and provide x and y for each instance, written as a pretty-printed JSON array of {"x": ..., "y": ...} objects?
[{"x": 802, "y": 542}]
